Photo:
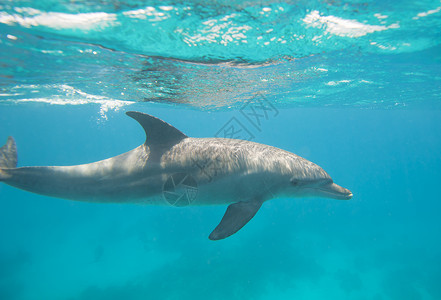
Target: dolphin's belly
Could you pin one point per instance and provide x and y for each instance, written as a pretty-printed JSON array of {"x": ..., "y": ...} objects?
[{"x": 230, "y": 189}]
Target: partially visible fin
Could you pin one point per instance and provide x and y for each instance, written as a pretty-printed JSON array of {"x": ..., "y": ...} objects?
[
  {"x": 8, "y": 156},
  {"x": 237, "y": 215},
  {"x": 160, "y": 136}
]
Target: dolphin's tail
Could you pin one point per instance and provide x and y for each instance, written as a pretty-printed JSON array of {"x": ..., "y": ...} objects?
[{"x": 8, "y": 156}]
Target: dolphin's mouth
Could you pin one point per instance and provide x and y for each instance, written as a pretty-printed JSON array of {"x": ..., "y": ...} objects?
[{"x": 334, "y": 191}]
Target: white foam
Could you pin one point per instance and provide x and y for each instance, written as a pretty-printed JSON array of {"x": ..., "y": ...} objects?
[
  {"x": 57, "y": 20},
  {"x": 342, "y": 27},
  {"x": 426, "y": 13},
  {"x": 149, "y": 12},
  {"x": 333, "y": 83},
  {"x": 72, "y": 96}
]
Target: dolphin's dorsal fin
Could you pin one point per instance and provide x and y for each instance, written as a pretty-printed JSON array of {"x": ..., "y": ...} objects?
[
  {"x": 160, "y": 136},
  {"x": 236, "y": 216}
]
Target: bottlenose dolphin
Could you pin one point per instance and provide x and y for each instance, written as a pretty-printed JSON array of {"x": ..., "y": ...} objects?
[{"x": 171, "y": 168}]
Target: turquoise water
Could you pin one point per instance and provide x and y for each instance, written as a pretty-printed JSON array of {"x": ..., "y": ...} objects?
[{"x": 352, "y": 86}]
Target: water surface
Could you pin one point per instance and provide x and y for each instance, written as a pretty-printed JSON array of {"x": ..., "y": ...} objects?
[{"x": 352, "y": 86}]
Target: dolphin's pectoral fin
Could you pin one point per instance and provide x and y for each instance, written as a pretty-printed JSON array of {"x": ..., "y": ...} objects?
[
  {"x": 236, "y": 216},
  {"x": 160, "y": 136}
]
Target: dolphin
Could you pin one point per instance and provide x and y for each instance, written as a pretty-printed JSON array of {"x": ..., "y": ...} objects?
[{"x": 173, "y": 169}]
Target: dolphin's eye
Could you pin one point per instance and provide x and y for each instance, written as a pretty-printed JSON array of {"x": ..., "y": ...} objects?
[{"x": 294, "y": 182}]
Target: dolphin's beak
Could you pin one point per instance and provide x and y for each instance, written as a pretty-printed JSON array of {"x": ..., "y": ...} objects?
[{"x": 334, "y": 191}]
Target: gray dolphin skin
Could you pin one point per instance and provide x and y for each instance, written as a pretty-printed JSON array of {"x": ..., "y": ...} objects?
[{"x": 173, "y": 169}]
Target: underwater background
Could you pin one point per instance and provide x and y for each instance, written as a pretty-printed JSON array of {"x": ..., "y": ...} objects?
[{"x": 353, "y": 86}]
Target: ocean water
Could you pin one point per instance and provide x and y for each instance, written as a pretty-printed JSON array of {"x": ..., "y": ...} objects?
[{"x": 352, "y": 86}]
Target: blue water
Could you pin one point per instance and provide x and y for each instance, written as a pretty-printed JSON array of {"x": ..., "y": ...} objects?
[{"x": 352, "y": 86}]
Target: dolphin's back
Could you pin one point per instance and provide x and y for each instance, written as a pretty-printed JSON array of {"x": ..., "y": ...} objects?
[{"x": 222, "y": 157}]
